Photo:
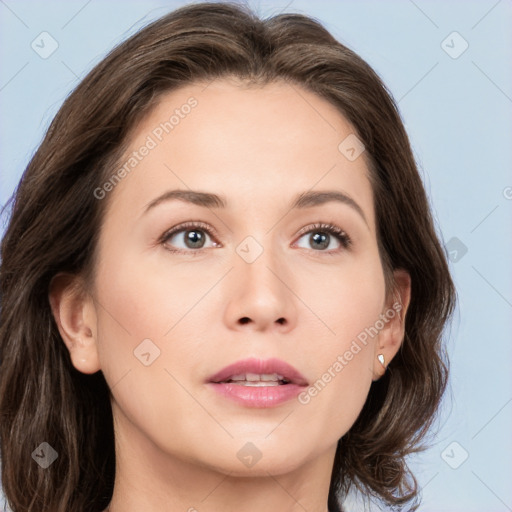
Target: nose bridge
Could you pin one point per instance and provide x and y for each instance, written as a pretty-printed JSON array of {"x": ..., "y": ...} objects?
[
  {"x": 260, "y": 286},
  {"x": 258, "y": 267}
]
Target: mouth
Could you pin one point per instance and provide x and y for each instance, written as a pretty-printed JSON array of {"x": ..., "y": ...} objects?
[
  {"x": 259, "y": 373},
  {"x": 258, "y": 383},
  {"x": 255, "y": 380}
]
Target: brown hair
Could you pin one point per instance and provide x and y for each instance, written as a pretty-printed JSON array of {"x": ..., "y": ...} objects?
[{"x": 56, "y": 219}]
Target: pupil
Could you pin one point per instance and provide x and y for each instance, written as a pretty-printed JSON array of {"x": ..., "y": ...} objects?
[
  {"x": 195, "y": 238},
  {"x": 320, "y": 238}
]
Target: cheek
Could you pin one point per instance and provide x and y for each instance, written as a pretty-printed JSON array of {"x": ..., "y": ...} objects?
[
  {"x": 129, "y": 322},
  {"x": 345, "y": 298},
  {"x": 149, "y": 306},
  {"x": 147, "y": 298},
  {"x": 349, "y": 304},
  {"x": 142, "y": 316}
]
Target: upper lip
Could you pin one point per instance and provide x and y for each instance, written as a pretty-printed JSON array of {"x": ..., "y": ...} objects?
[{"x": 260, "y": 366}]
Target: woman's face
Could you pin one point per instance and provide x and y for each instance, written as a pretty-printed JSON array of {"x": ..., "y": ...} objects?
[{"x": 252, "y": 279}]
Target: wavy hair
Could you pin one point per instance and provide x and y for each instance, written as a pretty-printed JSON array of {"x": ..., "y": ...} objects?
[{"x": 55, "y": 221}]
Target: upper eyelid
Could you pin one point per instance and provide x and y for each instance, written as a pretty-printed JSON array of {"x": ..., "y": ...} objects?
[
  {"x": 321, "y": 225},
  {"x": 189, "y": 225}
]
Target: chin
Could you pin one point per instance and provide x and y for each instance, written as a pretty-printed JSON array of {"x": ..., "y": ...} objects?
[{"x": 250, "y": 458}]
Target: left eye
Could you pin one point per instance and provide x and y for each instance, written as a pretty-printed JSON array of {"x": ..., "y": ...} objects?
[{"x": 324, "y": 236}]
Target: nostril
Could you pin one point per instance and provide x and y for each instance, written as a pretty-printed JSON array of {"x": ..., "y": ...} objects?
[
  {"x": 244, "y": 320},
  {"x": 281, "y": 320}
]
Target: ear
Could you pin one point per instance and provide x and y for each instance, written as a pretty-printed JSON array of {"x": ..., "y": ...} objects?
[
  {"x": 393, "y": 317},
  {"x": 75, "y": 316}
]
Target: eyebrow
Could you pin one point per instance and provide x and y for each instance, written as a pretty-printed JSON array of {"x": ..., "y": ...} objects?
[{"x": 209, "y": 200}]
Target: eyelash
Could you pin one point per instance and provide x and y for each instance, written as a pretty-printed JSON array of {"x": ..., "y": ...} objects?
[{"x": 331, "y": 229}]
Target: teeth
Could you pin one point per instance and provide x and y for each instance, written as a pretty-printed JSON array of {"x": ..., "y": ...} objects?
[
  {"x": 255, "y": 379},
  {"x": 259, "y": 383},
  {"x": 269, "y": 377}
]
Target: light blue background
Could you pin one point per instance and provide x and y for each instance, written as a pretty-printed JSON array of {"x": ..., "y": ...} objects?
[{"x": 458, "y": 115}]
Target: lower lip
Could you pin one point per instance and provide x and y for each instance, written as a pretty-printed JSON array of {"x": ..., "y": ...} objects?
[{"x": 257, "y": 396}]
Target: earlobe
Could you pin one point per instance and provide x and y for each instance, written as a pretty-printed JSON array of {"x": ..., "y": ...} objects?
[
  {"x": 391, "y": 336},
  {"x": 75, "y": 316}
]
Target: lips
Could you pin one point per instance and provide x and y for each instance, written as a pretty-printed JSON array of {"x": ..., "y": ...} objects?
[{"x": 258, "y": 373}]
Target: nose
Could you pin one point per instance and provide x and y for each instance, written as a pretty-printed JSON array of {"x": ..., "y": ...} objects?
[{"x": 260, "y": 296}]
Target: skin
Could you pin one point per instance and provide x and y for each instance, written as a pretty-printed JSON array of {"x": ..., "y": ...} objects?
[{"x": 176, "y": 440}]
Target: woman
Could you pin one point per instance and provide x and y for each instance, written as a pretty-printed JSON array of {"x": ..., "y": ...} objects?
[{"x": 221, "y": 284}]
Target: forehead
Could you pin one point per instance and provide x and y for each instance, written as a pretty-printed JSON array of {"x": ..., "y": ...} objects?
[{"x": 258, "y": 146}]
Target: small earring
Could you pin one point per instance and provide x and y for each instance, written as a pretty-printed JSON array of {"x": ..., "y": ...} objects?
[{"x": 380, "y": 357}]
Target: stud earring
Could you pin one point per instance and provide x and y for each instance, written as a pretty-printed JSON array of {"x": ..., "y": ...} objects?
[{"x": 380, "y": 357}]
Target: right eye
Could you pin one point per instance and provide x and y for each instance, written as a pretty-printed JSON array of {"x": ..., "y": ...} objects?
[{"x": 191, "y": 235}]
